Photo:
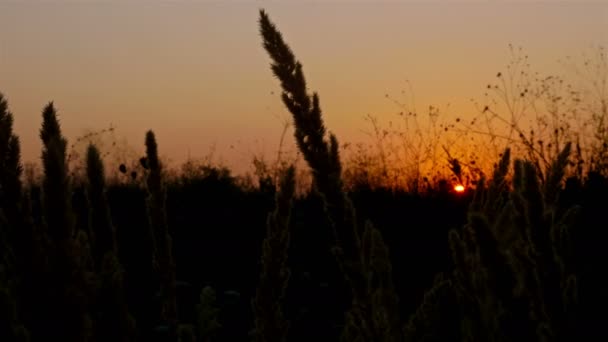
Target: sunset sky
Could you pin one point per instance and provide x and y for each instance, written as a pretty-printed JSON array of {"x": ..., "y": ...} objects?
[{"x": 196, "y": 73}]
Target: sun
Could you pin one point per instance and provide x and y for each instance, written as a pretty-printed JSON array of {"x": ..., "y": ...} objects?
[{"x": 459, "y": 188}]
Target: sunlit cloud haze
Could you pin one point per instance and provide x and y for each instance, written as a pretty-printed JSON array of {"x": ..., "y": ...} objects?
[{"x": 196, "y": 73}]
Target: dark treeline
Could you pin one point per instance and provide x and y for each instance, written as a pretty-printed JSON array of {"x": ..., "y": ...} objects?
[{"x": 520, "y": 257}]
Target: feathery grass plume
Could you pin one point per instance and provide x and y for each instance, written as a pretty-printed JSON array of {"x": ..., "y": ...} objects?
[
  {"x": 114, "y": 321},
  {"x": 537, "y": 215},
  {"x": 33, "y": 265},
  {"x": 533, "y": 196},
  {"x": 157, "y": 215},
  {"x": 490, "y": 198},
  {"x": 548, "y": 232},
  {"x": 103, "y": 234},
  {"x": 68, "y": 280},
  {"x": 11, "y": 227},
  {"x": 498, "y": 184},
  {"x": 270, "y": 323},
  {"x": 555, "y": 175},
  {"x": 207, "y": 315},
  {"x": 12, "y": 231},
  {"x": 55, "y": 184},
  {"x": 479, "y": 195},
  {"x": 10, "y": 167},
  {"x": 531, "y": 261},
  {"x": 322, "y": 155}
]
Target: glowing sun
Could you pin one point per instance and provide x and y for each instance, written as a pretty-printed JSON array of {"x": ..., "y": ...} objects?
[{"x": 459, "y": 188}]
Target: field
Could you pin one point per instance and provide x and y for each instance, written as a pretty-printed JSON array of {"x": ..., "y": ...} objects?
[{"x": 411, "y": 242}]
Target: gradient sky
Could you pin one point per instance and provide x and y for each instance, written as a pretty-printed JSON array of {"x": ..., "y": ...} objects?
[{"x": 195, "y": 71}]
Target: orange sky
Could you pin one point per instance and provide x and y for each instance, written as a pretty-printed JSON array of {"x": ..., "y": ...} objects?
[{"x": 195, "y": 71}]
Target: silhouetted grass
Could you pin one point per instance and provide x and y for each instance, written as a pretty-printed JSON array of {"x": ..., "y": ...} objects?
[{"x": 135, "y": 252}]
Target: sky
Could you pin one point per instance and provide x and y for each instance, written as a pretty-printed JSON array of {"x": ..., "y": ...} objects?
[{"x": 195, "y": 72}]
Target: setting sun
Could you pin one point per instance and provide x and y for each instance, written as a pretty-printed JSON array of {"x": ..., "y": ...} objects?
[{"x": 459, "y": 188}]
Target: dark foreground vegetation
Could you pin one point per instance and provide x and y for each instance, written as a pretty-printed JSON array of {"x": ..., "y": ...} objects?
[{"x": 521, "y": 257}]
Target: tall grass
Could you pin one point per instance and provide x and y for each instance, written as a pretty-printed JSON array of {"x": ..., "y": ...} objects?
[
  {"x": 12, "y": 228},
  {"x": 360, "y": 253},
  {"x": 163, "y": 258},
  {"x": 114, "y": 321},
  {"x": 270, "y": 323},
  {"x": 518, "y": 268}
]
